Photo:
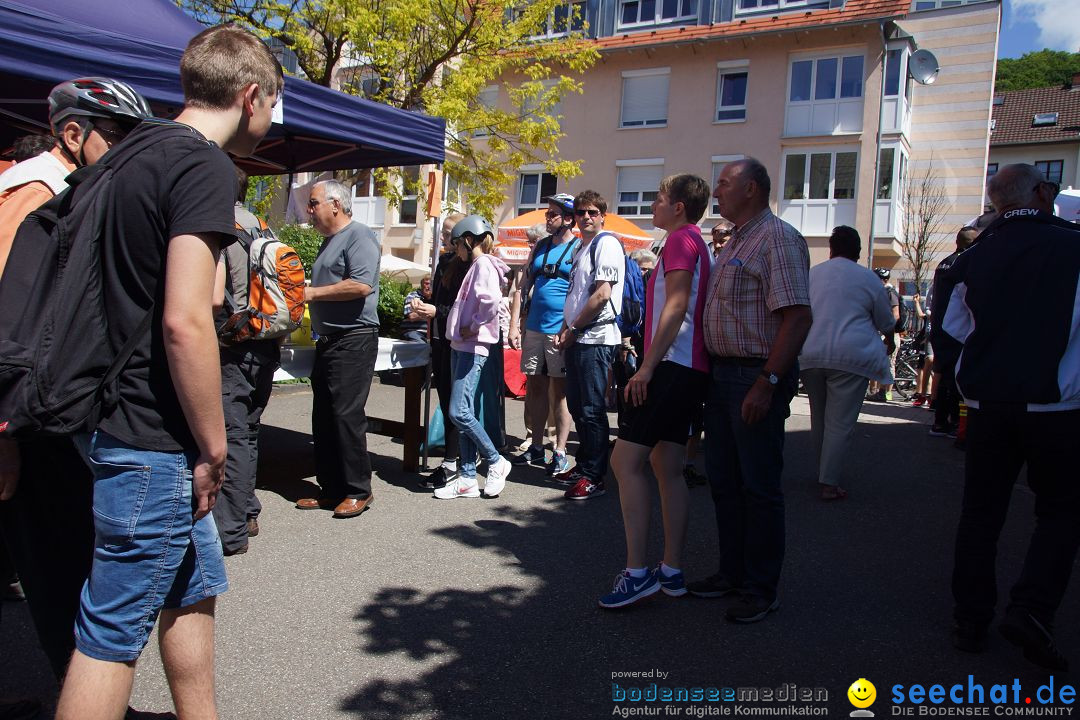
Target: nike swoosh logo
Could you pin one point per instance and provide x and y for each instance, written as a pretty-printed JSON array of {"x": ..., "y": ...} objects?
[{"x": 638, "y": 587}]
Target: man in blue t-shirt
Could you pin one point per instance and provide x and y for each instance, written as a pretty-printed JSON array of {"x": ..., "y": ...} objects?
[{"x": 543, "y": 292}]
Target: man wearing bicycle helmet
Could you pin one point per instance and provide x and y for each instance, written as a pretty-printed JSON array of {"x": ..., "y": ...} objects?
[
  {"x": 87, "y": 116},
  {"x": 883, "y": 393}
]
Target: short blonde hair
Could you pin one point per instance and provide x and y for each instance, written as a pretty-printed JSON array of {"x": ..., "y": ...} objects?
[
  {"x": 221, "y": 61},
  {"x": 536, "y": 232}
]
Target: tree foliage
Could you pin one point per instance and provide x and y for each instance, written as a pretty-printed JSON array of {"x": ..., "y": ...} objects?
[
  {"x": 925, "y": 206},
  {"x": 437, "y": 56},
  {"x": 1043, "y": 68}
]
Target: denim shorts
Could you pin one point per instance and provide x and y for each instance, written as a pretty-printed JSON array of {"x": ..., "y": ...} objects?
[{"x": 148, "y": 554}]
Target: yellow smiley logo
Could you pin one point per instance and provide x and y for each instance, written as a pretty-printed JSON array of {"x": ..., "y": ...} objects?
[{"x": 862, "y": 693}]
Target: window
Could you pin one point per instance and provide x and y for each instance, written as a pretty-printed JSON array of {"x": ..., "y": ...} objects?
[
  {"x": 893, "y": 60},
  {"x": 886, "y": 168},
  {"x": 1044, "y": 119},
  {"x": 749, "y": 6},
  {"x": 991, "y": 170},
  {"x": 935, "y": 4},
  {"x": 820, "y": 176},
  {"x": 637, "y": 185},
  {"x": 533, "y": 186},
  {"x": 487, "y": 98},
  {"x": 644, "y": 98},
  {"x": 718, "y": 163},
  {"x": 731, "y": 79},
  {"x": 818, "y": 189},
  {"x": 1052, "y": 169},
  {"x": 566, "y": 18},
  {"x": 823, "y": 76},
  {"x": 825, "y": 95},
  {"x": 647, "y": 12},
  {"x": 410, "y": 178},
  {"x": 529, "y": 105}
]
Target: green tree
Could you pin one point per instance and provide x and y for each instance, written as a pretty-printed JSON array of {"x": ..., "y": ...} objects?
[
  {"x": 438, "y": 56},
  {"x": 1043, "y": 68}
]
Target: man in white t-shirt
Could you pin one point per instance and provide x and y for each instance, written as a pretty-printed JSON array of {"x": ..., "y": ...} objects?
[{"x": 588, "y": 338}]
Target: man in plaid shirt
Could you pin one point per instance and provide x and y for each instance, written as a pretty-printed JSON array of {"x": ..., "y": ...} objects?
[{"x": 757, "y": 315}]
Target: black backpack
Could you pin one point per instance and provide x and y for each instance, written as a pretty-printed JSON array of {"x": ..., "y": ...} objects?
[
  {"x": 58, "y": 368},
  {"x": 902, "y": 321}
]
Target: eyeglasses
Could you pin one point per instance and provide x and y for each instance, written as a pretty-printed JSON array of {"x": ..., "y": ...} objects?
[
  {"x": 110, "y": 136},
  {"x": 313, "y": 203},
  {"x": 1053, "y": 185},
  {"x": 592, "y": 212}
]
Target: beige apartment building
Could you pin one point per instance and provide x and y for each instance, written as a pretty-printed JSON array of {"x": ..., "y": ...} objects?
[{"x": 815, "y": 90}]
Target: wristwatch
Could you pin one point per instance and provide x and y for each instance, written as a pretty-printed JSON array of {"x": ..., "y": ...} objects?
[
  {"x": 773, "y": 379},
  {"x": 576, "y": 331}
]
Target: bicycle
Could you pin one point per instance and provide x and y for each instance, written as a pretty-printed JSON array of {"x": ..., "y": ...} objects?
[{"x": 909, "y": 358}]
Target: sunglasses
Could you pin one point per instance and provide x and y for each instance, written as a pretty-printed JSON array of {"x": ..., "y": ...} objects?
[
  {"x": 312, "y": 204},
  {"x": 1053, "y": 186},
  {"x": 590, "y": 213},
  {"x": 110, "y": 136}
]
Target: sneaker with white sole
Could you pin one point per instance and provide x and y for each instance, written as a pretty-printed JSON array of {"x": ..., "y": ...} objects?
[
  {"x": 559, "y": 465},
  {"x": 629, "y": 589},
  {"x": 460, "y": 487},
  {"x": 672, "y": 585},
  {"x": 496, "y": 477},
  {"x": 751, "y": 608},
  {"x": 585, "y": 489},
  {"x": 533, "y": 456}
]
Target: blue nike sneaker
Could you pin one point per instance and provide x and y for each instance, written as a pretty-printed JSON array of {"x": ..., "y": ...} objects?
[{"x": 629, "y": 589}]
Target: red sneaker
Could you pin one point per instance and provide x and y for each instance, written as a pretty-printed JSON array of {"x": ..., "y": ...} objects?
[
  {"x": 585, "y": 489},
  {"x": 918, "y": 401}
]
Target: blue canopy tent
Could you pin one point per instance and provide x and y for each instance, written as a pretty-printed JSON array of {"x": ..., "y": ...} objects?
[{"x": 43, "y": 42}]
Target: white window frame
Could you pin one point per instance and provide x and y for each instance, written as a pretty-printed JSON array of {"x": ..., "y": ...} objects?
[
  {"x": 718, "y": 163},
  {"x": 489, "y": 98},
  {"x": 641, "y": 202},
  {"x": 549, "y": 24},
  {"x": 539, "y": 171},
  {"x": 724, "y": 68},
  {"x": 1061, "y": 169},
  {"x": 780, "y": 5},
  {"x": 817, "y": 216},
  {"x": 658, "y": 14},
  {"x": 837, "y": 103},
  {"x": 408, "y": 195},
  {"x": 632, "y": 75},
  {"x": 938, "y": 4}
]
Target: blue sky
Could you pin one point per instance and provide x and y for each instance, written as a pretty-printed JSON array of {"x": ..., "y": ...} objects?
[{"x": 1030, "y": 25}]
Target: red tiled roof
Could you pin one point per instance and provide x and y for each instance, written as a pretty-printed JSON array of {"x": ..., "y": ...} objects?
[
  {"x": 1012, "y": 119},
  {"x": 854, "y": 11}
]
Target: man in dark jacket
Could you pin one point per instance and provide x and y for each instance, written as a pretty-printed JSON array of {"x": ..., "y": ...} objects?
[{"x": 1019, "y": 287}]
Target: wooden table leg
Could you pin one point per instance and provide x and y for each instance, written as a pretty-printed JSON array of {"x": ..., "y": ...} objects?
[{"x": 414, "y": 426}]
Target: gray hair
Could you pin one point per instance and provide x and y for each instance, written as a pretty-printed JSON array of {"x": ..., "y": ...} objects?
[
  {"x": 336, "y": 191},
  {"x": 752, "y": 169},
  {"x": 1014, "y": 185},
  {"x": 640, "y": 256},
  {"x": 536, "y": 232}
]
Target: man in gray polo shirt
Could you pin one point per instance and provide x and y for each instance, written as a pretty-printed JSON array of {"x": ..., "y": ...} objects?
[{"x": 343, "y": 298}]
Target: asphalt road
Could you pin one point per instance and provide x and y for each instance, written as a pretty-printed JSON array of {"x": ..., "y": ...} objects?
[{"x": 487, "y": 608}]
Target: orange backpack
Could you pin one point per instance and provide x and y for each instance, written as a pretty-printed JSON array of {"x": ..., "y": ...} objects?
[{"x": 275, "y": 298}]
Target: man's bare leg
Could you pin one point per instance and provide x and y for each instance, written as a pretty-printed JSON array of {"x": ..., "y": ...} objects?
[
  {"x": 628, "y": 464},
  {"x": 186, "y": 637},
  {"x": 667, "y": 460},
  {"x": 536, "y": 397},
  {"x": 95, "y": 689},
  {"x": 562, "y": 412}
]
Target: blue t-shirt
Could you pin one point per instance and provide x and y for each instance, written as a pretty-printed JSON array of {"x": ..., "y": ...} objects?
[{"x": 549, "y": 293}]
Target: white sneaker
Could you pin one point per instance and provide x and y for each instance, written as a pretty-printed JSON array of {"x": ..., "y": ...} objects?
[
  {"x": 496, "y": 477},
  {"x": 459, "y": 488}
]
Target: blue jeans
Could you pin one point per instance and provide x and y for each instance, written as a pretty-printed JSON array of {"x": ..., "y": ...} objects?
[
  {"x": 587, "y": 368},
  {"x": 465, "y": 368},
  {"x": 744, "y": 464},
  {"x": 148, "y": 553}
]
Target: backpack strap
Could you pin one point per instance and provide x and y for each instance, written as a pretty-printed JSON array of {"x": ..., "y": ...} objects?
[{"x": 592, "y": 259}]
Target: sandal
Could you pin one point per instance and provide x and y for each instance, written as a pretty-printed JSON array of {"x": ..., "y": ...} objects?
[{"x": 830, "y": 492}]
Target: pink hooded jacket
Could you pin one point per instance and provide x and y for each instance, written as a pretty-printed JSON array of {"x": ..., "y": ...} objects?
[{"x": 473, "y": 323}]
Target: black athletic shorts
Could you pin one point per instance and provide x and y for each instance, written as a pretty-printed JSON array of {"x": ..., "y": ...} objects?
[{"x": 669, "y": 406}]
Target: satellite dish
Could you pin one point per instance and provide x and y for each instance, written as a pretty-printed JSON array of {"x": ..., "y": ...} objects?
[{"x": 923, "y": 67}]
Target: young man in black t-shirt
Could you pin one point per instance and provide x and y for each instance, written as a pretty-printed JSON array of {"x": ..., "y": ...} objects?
[{"x": 158, "y": 455}]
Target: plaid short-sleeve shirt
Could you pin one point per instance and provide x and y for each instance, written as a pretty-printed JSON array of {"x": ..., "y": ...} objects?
[{"x": 764, "y": 267}]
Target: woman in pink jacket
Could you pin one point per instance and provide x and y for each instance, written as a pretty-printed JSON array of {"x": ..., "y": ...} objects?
[{"x": 472, "y": 327}]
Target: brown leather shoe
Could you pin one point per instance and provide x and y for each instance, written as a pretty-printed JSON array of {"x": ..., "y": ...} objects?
[
  {"x": 351, "y": 507},
  {"x": 315, "y": 504}
]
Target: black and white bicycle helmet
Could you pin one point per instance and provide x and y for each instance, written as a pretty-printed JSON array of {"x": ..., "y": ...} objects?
[
  {"x": 96, "y": 97},
  {"x": 563, "y": 200},
  {"x": 883, "y": 273}
]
